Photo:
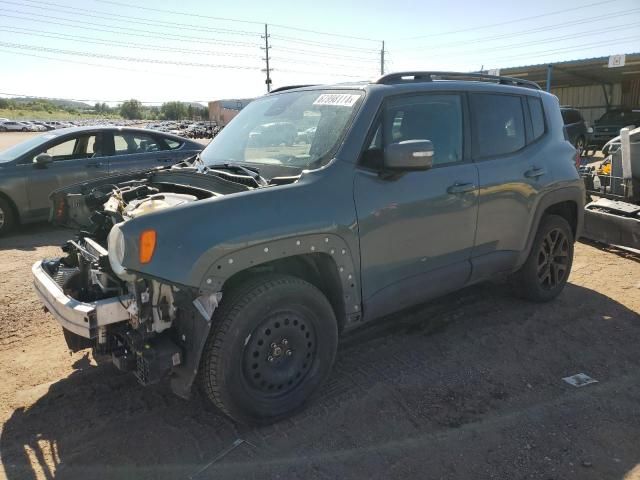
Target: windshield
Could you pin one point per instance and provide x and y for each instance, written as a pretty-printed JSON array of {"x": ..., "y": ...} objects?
[
  {"x": 297, "y": 129},
  {"x": 23, "y": 147}
]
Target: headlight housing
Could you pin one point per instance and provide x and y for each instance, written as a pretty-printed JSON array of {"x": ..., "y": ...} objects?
[{"x": 116, "y": 247}]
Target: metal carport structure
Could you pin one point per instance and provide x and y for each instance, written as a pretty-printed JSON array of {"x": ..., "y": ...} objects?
[{"x": 593, "y": 85}]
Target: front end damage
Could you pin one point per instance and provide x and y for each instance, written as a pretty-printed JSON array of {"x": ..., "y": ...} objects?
[{"x": 147, "y": 327}]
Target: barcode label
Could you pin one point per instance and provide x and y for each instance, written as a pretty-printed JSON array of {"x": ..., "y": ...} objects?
[{"x": 337, "y": 99}]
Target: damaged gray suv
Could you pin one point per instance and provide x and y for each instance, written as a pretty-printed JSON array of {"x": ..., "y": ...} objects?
[{"x": 239, "y": 269}]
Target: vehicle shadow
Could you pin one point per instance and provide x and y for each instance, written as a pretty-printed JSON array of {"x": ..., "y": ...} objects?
[
  {"x": 29, "y": 237},
  {"x": 477, "y": 372}
]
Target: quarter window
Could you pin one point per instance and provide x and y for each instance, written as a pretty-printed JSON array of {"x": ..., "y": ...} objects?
[
  {"x": 172, "y": 144},
  {"x": 498, "y": 124},
  {"x": 537, "y": 117}
]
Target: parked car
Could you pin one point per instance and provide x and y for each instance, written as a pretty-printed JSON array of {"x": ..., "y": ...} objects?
[
  {"x": 12, "y": 126},
  {"x": 31, "y": 170},
  {"x": 575, "y": 126},
  {"x": 609, "y": 125},
  {"x": 242, "y": 269}
]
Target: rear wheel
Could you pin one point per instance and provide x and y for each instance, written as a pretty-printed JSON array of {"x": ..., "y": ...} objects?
[
  {"x": 274, "y": 342},
  {"x": 546, "y": 270},
  {"x": 7, "y": 217}
]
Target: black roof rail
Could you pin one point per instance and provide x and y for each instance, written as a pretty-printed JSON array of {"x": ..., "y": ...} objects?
[
  {"x": 290, "y": 87},
  {"x": 400, "y": 77}
]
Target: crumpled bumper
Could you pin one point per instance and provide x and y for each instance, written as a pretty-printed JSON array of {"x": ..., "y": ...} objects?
[{"x": 81, "y": 318}]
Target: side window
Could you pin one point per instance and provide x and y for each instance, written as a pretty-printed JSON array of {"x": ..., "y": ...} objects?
[
  {"x": 172, "y": 144},
  {"x": 427, "y": 117},
  {"x": 130, "y": 143},
  {"x": 498, "y": 124},
  {"x": 62, "y": 151},
  {"x": 537, "y": 117}
]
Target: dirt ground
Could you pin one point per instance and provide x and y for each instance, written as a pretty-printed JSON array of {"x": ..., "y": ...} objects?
[{"x": 467, "y": 387}]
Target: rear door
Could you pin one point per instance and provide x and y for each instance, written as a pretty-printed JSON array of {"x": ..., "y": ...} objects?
[
  {"x": 417, "y": 228},
  {"x": 509, "y": 147},
  {"x": 75, "y": 159},
  {"x": 137, "y": 151}
]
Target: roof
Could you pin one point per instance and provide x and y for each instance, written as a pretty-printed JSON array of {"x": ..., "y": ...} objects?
[
  {"x": 588, "y": 71},
  {"x": 97, "y": 128}
]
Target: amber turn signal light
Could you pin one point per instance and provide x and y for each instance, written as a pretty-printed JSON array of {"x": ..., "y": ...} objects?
[{"x": 147, "y": 245}]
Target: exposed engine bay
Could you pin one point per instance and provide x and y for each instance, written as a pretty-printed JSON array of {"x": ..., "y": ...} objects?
[{"x": 146, "y": 326}]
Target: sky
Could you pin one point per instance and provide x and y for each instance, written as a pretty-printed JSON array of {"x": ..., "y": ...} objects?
[{"x": 199, "y": 50}]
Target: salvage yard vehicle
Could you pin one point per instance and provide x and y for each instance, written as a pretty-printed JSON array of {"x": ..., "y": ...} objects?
[
  {"x": 575, "y": 126},
  {"x": 608, "y": 125},
  {"x": 613, "y": 215},
  {"x": 31, "y": 170},
  {"x": 240, "y": 269}
]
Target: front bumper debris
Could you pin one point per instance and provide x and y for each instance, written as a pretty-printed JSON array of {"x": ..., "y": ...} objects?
[{"x": 81, "y": 318}]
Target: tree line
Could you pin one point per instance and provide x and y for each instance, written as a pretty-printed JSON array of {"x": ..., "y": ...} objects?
[
  {"x": 134, "y": 110},
  {"x": 130, "y": 109}
]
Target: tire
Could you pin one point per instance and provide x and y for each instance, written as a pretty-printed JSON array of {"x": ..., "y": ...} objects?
[
  {"x": 542, "y": 277},
  {"x": 24, "y": 130},
  {"x": 7, "y": 217},
  {"x": 246, "y": 368},
  {"x": 3, "y": 129}
]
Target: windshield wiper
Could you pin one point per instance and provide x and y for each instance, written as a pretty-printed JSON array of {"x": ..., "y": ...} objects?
[{"x": 249, "y": 171}]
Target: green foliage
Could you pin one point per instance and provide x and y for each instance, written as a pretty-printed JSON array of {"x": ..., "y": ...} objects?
[
  {"x": 131, "y": 109},
  {"x": 182, "y": 111}
]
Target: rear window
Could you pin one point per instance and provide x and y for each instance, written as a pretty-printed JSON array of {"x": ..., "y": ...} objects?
[{"x": 498, "y": 124}]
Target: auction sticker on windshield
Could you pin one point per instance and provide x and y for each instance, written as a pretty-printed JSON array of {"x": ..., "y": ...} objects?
[{"x": 337, "y": 99}]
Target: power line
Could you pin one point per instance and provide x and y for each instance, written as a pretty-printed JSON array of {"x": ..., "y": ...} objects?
[
  {"x": 289, "y": 27},
  {"x": 126, "y": 31},
  {"x": 535, "y": 42},
  {"x": 524, "y": 32},
  {"x": 142, "y": 46},
  {"x": 573, "y": 48},
  {"x": 509, "y": 22},
  {"x": 129, "y": 19},
  {"x": 121, "y": 58},
  {"x": 323, "y": 54},
  {"x": 77, "y": 62},
  {"x": 322, "y": 44}
]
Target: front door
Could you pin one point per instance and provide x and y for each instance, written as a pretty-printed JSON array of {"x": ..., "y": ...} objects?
[
  {"x": 416, "y": 229},
  {"x": 75, "y": 159}
]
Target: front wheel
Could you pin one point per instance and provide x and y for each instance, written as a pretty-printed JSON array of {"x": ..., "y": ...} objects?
[
  {"x": 546, "y": 270},
  {"x": 273, "y": 344},
  {"x": 7, "y": 217}
]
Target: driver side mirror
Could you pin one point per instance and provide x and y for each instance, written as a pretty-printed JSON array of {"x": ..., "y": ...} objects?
[
  {"x": 409, "y": 155},
  {"x": 42, "y": 160}
]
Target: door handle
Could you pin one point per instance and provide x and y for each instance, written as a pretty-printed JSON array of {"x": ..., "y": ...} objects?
[
  {"x": 535, "y": 172},
  {"x": 458, "y": 188},
  {"x": 94, "y": 165}
]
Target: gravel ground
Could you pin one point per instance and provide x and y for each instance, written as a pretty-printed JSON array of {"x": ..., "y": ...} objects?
[{"x": 469, "y": 386}]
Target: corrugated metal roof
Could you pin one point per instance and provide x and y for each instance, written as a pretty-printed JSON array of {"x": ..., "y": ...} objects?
[{"x": 587, "y": 71}]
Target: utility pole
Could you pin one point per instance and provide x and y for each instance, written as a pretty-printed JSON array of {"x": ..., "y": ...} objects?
[
  {"x": 382, "y": 59},
  {"x": 266, "y": 57}
]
